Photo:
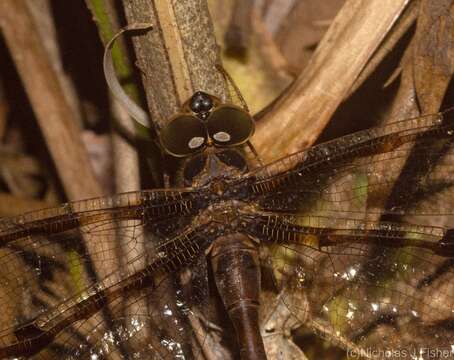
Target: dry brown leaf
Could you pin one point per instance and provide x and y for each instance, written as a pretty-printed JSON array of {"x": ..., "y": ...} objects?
[{"x": 277, "y": 325}]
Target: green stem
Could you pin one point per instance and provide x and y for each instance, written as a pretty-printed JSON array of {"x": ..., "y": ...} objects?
[{"x": 104, "y": 17}]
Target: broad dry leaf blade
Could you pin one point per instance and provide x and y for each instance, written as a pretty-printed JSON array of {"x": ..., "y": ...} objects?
[
  {"x": 433, "y": 55},
  {"x": 355, "y": 34}
]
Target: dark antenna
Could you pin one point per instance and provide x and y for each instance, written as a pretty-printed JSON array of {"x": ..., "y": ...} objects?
[{"x": 230, "y": 81}]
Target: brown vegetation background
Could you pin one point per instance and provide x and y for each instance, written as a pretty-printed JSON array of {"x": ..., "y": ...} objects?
[{"x": 311, "y": 71}]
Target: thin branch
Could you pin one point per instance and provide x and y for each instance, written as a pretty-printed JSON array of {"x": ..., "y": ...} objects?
[{"x": 178, "y": 57}]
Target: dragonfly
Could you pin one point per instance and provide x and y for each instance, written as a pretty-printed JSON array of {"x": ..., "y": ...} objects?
[{"x": 354, "y": 237}]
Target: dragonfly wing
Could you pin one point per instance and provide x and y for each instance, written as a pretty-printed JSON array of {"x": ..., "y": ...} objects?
[
  {"x": 336, "y": 225},
  {"x": 399, "y": 169},
  {"x": 370, "y": 286},
  {"x": 78, "y": 279}
]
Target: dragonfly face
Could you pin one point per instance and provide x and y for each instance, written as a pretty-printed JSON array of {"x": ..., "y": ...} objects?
[{"x": 209, "y": 135}]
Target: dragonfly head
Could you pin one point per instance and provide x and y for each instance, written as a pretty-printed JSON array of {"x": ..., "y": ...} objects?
[
  {"x": 209, "y": 134},
  {"x": 205, "y": 121}
]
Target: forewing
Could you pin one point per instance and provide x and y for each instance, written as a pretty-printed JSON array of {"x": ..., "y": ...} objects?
[
  {"x": 355, "y": 175},
  {"x": 91, "y": 279}
]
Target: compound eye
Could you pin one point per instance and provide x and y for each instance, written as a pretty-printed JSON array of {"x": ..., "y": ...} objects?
[
  {"x": 183, "y": 136},
  {"x": 230, "y": 126},
  {"x": 232, "y": 158},
  {"x": 194, "y": 167}
]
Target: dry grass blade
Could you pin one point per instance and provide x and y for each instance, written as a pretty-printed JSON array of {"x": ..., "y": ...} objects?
[
  {"x": 433, "y": 53},
  {"x": 298, "y": 26},
  {"x": 3, "y": 111},
  {"x": 427, "y": 64},
  {"x": 54, "y": 115},
  {"x": 426, "y": 68},
  {"x": 42, "y": 15},
  {"x": 354, "y": 36},
  {"x": 406, "y": 20}
]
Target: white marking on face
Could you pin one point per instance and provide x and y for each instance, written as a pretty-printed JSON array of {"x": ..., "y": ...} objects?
[
  {"x": 196, "y": 142},
  {"x": 221, "y": 136}
]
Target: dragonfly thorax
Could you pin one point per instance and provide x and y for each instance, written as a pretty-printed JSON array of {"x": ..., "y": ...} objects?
[{"x": 224, "y": 212}]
